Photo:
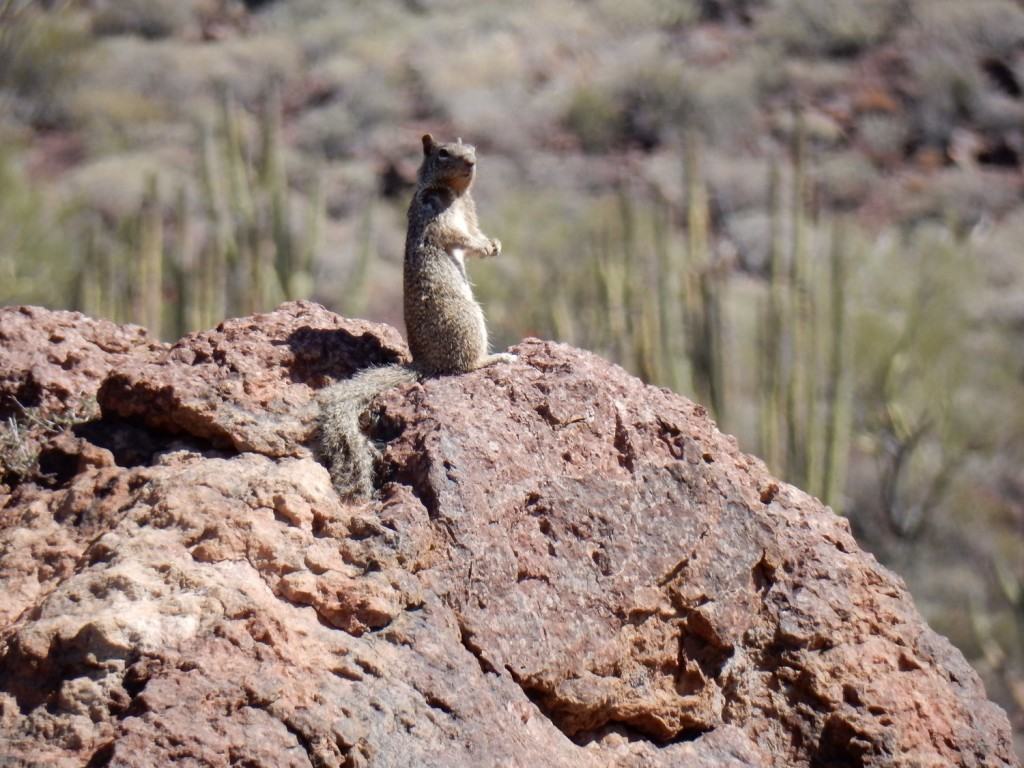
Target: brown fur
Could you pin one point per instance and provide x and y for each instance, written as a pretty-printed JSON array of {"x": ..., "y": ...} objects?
[{"x": 444, "y": 323}]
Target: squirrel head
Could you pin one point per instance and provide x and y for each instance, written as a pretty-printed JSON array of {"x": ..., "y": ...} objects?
[{"x": 452, "y": 164}]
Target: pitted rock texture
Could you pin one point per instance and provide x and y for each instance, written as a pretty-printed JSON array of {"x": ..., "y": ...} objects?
[
  {"x": 564, "y": 568},
  {"x": 52, "y": 360},
  {"x": 249, "y": 384}
]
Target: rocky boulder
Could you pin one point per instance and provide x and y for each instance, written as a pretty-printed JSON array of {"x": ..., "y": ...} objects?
[{"x": 564, "y": 567}]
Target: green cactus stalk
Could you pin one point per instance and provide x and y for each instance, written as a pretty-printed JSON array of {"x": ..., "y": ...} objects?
[
  {"x": 561, "y": 318},
  {"x": 217, "y": 254},
  {"x": 814, "y": 421},
  {"x": 703, "y": 286},
  {"x": 666, "y": 289},
  {"x": 838, "y": 391},
  {"x": 613, "y": 290},
  {"x": 600, "y": 331},
  {"x": 692, "y": 264},
  {"x": 189, "y": 316},
  {"x": 629, "y": 255},
  {"x": 712, "y": 284},
  {"x": 798, "y": 318},
  {"x": 149, "y": 244},
  {"x": 89, "y": 284},
  {"x": 273, "y": 180},
  {"x": 353, "y": 299},
  {"x": 775, "y": 330},
  {"x": 240, "y": 182},
  {"x": 299, "y": 278},
  {"x": 245, "y": 296}
]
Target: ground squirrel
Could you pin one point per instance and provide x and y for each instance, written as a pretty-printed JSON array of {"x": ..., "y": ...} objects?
[{"x": 444, "y": 324}]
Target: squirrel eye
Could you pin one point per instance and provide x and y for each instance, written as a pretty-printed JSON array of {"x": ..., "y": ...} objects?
[{"x": 443, "y": 154}]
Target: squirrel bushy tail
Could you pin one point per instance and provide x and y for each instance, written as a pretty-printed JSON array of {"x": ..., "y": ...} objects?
[{"x": 351, "y": 455}]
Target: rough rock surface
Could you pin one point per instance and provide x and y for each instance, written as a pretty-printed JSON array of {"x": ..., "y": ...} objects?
[
  {"x": 250, "y": 383},
  {"x": 564, "y": 568},
  {"x": 50, "y": 360}
]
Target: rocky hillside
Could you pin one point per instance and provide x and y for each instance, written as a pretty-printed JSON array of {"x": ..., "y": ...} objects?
[{"x": 564, "y": 568}]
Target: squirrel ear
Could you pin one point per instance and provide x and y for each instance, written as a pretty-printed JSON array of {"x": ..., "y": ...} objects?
[{"x": 428, "y": 143}]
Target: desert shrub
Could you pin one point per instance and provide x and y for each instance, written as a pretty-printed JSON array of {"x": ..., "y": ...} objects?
[
  {"x": 188, "y": 78},
  {"x": 359, "y": 100},
  {"x": 644, "y": 15},
  {"x": 251, "y": 65},
  {"x": 844, "y": 179},
  {"x": 883, "y": 137},
  {"x": 34, "y": 263},
  {"x": 988, "y": 28},
  {"x": 963, "y": 197},
  {"x": 751, "y": 233},
  {"x": 816, "y": 128},
  {"x": 950, "y": 44},
  {"x": 998, "y": 250},
  {"x": 722, "y": 10},
  {"x": 337, "y": 72},
  {"x": 482, "y": 114},
  {"x": 641, "y": 94},
  {"x": 737, "y": 182},
  {"x": 465, "y": 57},
  {"x": 322, "y": 31},
  {"x": 480, "y": 84},
  {"x": 948, "y": 85},
  {"x": 152, "y": 19},
  {"x": 112, "y": 119},
  {"x": 595, "y": 117},
  {"x": 114, "y": 186},
  {"x": 330, "y": 132},
  {"x": 725, "y": 102},
  {"x": 39, "y": 59},
  {"x": 783, "y": 76},
  {"x": 656, "y": 102},
  {"x": 22, "y": 433},
  {"x": 832, "y": 27},
  {"x": 913, "y": 333},
  {"x": 998, "y": 113}
]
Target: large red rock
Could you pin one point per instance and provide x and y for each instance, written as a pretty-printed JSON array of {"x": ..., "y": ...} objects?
[{"x": 564, "y": 568}]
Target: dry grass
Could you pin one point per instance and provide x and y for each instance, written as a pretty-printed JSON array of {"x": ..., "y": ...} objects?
[{"x": 23, "y": 433}]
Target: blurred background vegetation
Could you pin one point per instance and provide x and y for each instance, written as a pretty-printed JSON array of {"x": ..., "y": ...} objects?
[{"x": 805, "y": 214}]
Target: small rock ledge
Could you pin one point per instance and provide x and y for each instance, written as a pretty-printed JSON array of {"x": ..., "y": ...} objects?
[{"x": 564, "y": 568}]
